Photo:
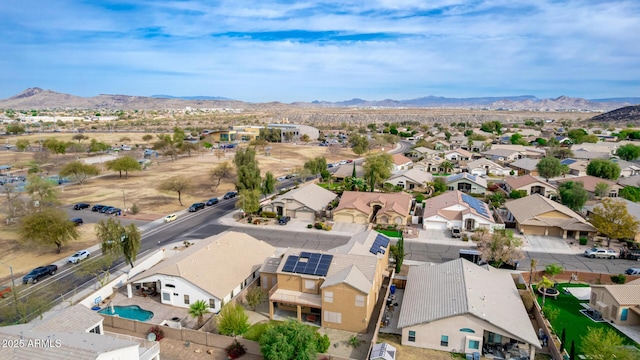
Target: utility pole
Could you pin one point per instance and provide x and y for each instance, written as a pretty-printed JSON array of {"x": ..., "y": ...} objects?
[{"x": 124, "y": 202}]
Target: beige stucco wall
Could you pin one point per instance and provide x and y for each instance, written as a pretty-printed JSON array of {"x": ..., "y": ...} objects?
[
  {"x": 350, "y": 216},
  {"x": 613, "y": 311},
  {"x": 353, "y": 318}
]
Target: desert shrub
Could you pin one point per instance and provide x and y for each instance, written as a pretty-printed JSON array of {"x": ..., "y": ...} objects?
[
  {"x": 318, "y": 226},
  {"x": 619, "y": 279},
  {"x": 235, "y": 350},
  {"x": 309, "y": 226},
  {"x": 419, "y": 198},
  {"x": 135, "y": 209},
  {"x": 269, "y": 214},
  {"x": 322, "y": 343},
  {"x": 551, "y": 313},
  {"x": 465, "y": 237}
]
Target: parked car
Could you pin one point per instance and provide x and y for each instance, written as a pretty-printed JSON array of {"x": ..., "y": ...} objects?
[
  {"x": 113, "y": 210},
  {"x": 230, "y": 194},
  {"x": 212, "y": 201},
  {"x": 170, "y": 218},
  {"x": 5, "y": 291},
  {"x": 104, "y": 209},
  {"x": 632, "y": 255},
  {"x": 79, "y": 256},
  {"x": 281, "y": 178},
  {"x": 77, "y": 221},
  {"x": 80, "y": 206},
  {"x": 38, "y": 273},
  {"x": 456, "y": 232},
  {"x": 97, "y": 207},
  {"x": 632, "y": 271},
  {"x": 284, "y": 220},
  {"x": 196, "y": 206},
  {"x": 601, "y": 253},
  {"x": 290, "y": 176}
]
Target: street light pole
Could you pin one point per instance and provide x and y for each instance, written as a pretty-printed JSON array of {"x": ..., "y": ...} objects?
[
  {"x": 13, "y": 287},
  {"x": 124, "y": 202}
]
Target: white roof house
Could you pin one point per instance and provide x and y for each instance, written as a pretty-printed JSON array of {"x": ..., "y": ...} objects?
[
  {"x": 411, "y": 178},
  {"x": 302, "y": 203},
  {"x": 460, "y": 305},
  {"x": 484, "y": 166},
  {"x": 455, "y": 208}
]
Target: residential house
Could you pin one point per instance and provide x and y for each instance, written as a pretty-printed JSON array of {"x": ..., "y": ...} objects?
[
  {"x": 75, "y": 332},
  {"x": 563, "y": 140},
  {"x": 630, "y": 181},
  {"x": 215, "y": 270},
  {"x": 525, "y": 166},
  {"x": 590, "y": 183},
  {"x": 576, "y": 167},
  {"x": 457, "y": 141},
  {"x": 502, "y": 155},
  {"x": 627, "y": 168},
  {"x": 459, "y": 306},
  {"x": 530, "y": 185},
  {"x": 538, "y": 215},
  {"x": 525, "y": 151},
  {"x": 476, "y": 146},
  {"x": 432, "y": 165},
  {"x": 590, "y": 155},
  {"x": 400, "y": 163},
  {"x": 619, "y": 304},
  {"x": 455, "y": 208},
  {"x": 373, "y": 207},
  {"x": 336, "y": 289},
  {"x": 458, "y": 156},
  {"x": 346, "y": 170},
  {"x": 410, "y": 179},
  {"x": 420, "y": 153},
  {"x": 600, "y": 147},
  {"x": 441, "y": 145},
  {"x": 482, "y": 167},
  {"x": 529, "y": 133},
  {"x": 303, "y": 203},
  {"x": 467, "y": 183}
]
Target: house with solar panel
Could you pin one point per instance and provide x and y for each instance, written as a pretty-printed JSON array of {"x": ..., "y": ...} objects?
[
  {"x": 358, "y": 207},
  {"x": 337, "y": 289},
  {"x": 455, "y": 208},
  {"x": 467, "y": 183}
]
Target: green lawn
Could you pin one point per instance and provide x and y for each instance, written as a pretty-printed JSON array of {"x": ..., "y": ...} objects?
[
  {"x": 390, "y": 233},
  {"x": 570, "y": 318}
]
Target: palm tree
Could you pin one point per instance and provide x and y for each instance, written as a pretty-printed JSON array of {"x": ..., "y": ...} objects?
[
  {"x": 197, "y": 310},
  {"x": 447, "y": 166},
  {"x": 355, "y": 184},
  {"x": 544, "y": 284}
]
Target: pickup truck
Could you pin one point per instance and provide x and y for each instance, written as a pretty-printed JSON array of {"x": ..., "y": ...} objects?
[
  {"x": 38, "y": 273},
  {"x": 5, "y": 291}
]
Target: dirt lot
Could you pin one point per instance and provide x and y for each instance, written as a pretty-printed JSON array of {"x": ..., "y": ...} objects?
[{"x": 140, "y": 189}]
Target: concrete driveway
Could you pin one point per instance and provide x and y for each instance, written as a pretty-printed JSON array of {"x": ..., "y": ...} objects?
[{"x": 551, "y": 244}]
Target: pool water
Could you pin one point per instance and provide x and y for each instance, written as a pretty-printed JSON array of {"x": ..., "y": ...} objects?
[{"x": 132, "y": 312}]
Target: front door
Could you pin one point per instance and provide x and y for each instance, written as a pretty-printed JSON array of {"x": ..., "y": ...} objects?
[{"x": 469, "y": 224}]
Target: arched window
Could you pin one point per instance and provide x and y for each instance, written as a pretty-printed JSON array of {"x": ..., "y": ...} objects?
[{"x": 467, "y": 330}]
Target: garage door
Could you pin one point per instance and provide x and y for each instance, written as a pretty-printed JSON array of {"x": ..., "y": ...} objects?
[
  {"x": 533, "y": 230},
  {"x": 305, "y": 216},
  {"x": 435, "y": 225},
  {"x": 555, "y": 231},
  {"x": 343, "y": 218}
]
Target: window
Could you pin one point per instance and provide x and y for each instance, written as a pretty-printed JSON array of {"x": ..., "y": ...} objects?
[
  {"x": 444, "y": 340},
  {"x": 212, "y": 303},
  {"x": 623, "y": 314},
  {"x": 474, "y": 344},
  {"x": 186, "y": 299},
  {"x": 359, "y": 301},
  {"x": 328, "y": 296},
  {"x": 412, "y": 336},
  {"x": 467, "y": 330},
  {"x": 309, "y": 284},
  {"x": 495, "y": 338},
  {"x": 170, "y": 286},
  {"x": 166, "y": 296},
  {"x": 334, "y": 317}
]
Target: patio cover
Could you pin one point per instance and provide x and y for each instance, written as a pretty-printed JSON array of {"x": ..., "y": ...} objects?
[{"x": 296, "y": 297}]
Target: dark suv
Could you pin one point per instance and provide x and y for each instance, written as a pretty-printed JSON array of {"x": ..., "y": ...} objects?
[
  {"x": 80, "y": 206},
  {"x": 195, "y": 207},
  {"x": 230, "y": 194},
  {"x": 212, "y": 201},
  {"x": 77, "y": 221},
  {"x": 284, "y": 220},
  {"x": 97, "y": 207},
  {"x": 38, "y": 273}
]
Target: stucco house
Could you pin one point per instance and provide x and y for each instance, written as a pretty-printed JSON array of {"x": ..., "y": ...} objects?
[
  {"x": 538, "y": 215},
  {"x": 576, "y": 167},
  {"x": 459, "y": 306},
  {"x": 336, "y": 289},
  {"x": 457, "y": 141},
  {"x": 455, "y": 208},
  {"x": 75, "y": 332},
  {"x": 531, "y": 185},
  {"x": 373, "y": 207},
  {"x": 525, "y": 166},
  {"x": 619, "y": 304},
  {"x": 410, "y": 179},
  {"x": 431, "y": 164},
  {"x": 458, "y": 156},
  {"x": 502, "y": 155},
  {"x": 484, "y": 166},
  {"x": 467, "y": 183},
  {"x": 211, "y": 270},
  {"x": 627, "y": 168},
  {"x": 590, "y": 183},
  {"x": 421, "y": 152},
  {"x": 400, "y": 163},
  {"x": 303, "y": 203}
]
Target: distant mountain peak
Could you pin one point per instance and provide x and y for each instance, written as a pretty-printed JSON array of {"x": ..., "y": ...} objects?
[{"x": 29, "y": 93}]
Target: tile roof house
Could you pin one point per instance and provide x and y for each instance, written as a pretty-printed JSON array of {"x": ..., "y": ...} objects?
[
  {"x": 576, "y": 167},
  {"x": 441, "y": 145},
  {"x": 627, "y": 168},
  {"x": 410, "y": 179},
  {"x": 467, "y": 183},
  {"x": 457, "y": 141},
  {"x": 531, "y": 185},
  {"x": 346, "y": 170},
  {"x": 484, "y": 166},
  {"x": 538, "y": 215},
  {"x": 379, "y": 208},
  {"x": 455, "y": 208},
  {"x": 420, "y": 153},
  {"x": 619, "y": 304},
  {"x": 590, "y": 183},
  {"x": 432, "y": 164},
  {"x": 502, "y": 155},
  {"x": 210, "y": 270},
  {"x": 459, "y": 306},
  {"x": 400, "y": 163},
  {"x": 525, "y": 166},
  {"x": 337, "y": 289},
  {"x": 75, "y": 333},
  {"x": 630, "y": 181},
  {"x": 526, "y": 151},
  {"x": 587, "y": 155},
  {"x": 303, "y": 203},
  {"x": 458, "y": 156}
]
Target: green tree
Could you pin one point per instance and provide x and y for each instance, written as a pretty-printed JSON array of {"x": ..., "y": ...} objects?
[
  {"x": 79, "y": 137},
  {"x": 447, "y": 166},
  {"x": 223, "y": 170},
  {"x": 255, "y": 296},
  {"x": 603, "y": 168},
  {"x": 359, "y": 144},
  {"x": 316, "y": 165},
  {"x": 491, "y": 127},
  {"x": 232, "y": 320},
  {"x": 604, "y": 343},
  {"x": 377, "y": 168},
  {"x": 187, "y": 147},
  {"x": 630, "y": 193},
  {"x": 501, "y": 248},
  {"x": 79, "y": 171},
  {"x": 48, "y": 227},
  {"x": 553, "y": 269},
  {"x": 117, "y": 239},
  {"x": 612, "y": 219},
  {"x": 249, "y": 201},
  {"x": 96, "y": 146},
  {"x": 577, "y": 135},
  {"x": 544, "y": 284},
  {"x": 354, "y": 184},
  {"x": 15, "y": 129},
  {"x": 259, "y": 143},
  {"x": 268, "y": 184},
  {"x": 601, "y": 189},
  {"x": 247, "y": 169},
  {"x": 198, "y": 310},
  {"x": 397, "y": 252},
  {"x": 55, "y": 146},
  {"x": 147, "y": 137},
  {"x": 549, "y": 167},
  {"x": 126, "y": 164},
  {"x": 178, "y": 184},
  {"x": 627, "y": 152},
  {"x": 41, "y": 189},
  {"x": 291, "y": 340},
  {"x": 573, "y": 194},
  {"x": 22, "y": 144}
]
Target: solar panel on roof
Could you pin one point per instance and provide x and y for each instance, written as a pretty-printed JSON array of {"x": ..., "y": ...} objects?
[
  {"x": 567, "y": 161},
  {"x": 308, "y": 263},
  {"x": 290, "y": 264},
  {"x": 379, "y": 244},
  {"x": 476, "y": 204}
]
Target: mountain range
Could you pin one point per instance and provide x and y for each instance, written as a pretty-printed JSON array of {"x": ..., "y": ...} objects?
[{"x": 37, "y": 98}]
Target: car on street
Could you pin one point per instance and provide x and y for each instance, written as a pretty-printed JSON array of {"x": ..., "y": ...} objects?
[
  {"x": 77, "y": 221},
  {"x": 290, "y": 176},
  {"x": 196, "y": 206},
  {"x": 113, "y": 210},
  {"x": 632, "y": 255},
  {"x": 104, "y": 209},
  {"x": 281, "y": 178},
  {"x": 601, "y": 253},
  {"x": 38, "y": 273},
  {"x": 80, "y": 206},
  {"x": 79, "y": 256},
  {"x": 170, "y": 218},
  {"x": 632, "y": 271},
  {"x": 230, "y": 194},
  {"x": 212, "y": 201},
  {"x": 97, "y": 207},
  {"x": 456, "y": 232},
  {"x": 284, "y": 220}
]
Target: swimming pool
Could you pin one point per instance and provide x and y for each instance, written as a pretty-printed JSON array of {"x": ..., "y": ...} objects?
[{"x": 132, "y": 312}]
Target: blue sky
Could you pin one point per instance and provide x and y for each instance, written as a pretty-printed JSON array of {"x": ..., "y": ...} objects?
[{"x": 265, "y": 50}]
